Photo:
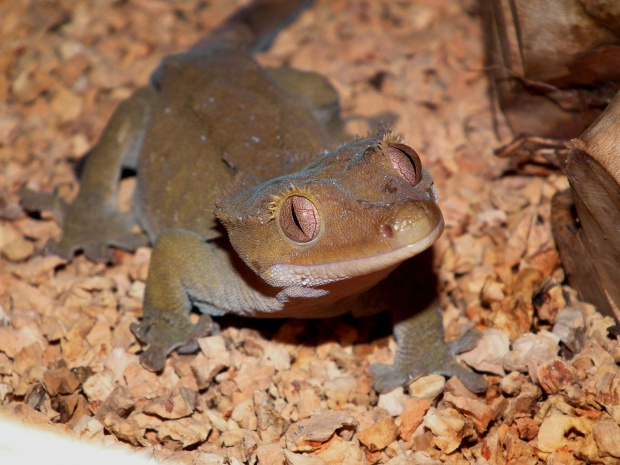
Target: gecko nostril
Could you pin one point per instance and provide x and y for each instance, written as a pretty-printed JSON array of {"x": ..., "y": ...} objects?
[{"x": 386, "y": 230}]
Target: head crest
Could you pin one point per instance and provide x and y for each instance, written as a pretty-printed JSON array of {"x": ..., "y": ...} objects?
[{"x": 389, "y": 137}]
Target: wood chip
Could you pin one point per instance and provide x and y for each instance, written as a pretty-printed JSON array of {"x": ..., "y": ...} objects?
[
  {"x": 60, "y": 381},
  {"x": 555, "y": 375},
  {"x": 243, "y": 414},
  {"x": 66, "y": 105},
  {"x": 393, "y": 402},
  {"x": 295, "y": 391},
  {"x": 99, "y": 386},
  {"x": 555, "y": 431},
  {"x": 12, "y": 342},
  {"x": 608, "y": 393},
  {"x": 302, "y": 459},
  {"x": 447, "y": 427},
  {"x": 270, "y": 423},
  {"x": 379, "y": 435},
  {"x": 123, "y": 429},
  {"x": 186, "y": 430},
  {"x": 180, "y": 403},
  {"x": 309, "y": 402},
  {"x": 607, "y": 436},
  {"x": 270, "y": 453},
  {"x": 213, "y": 359},
  {"x": 531, "y": 350},
  {"x": 307, "y": 435},
  {"x": 427, "y": 387},
  {"x": 475, "y": 410},
  {"x": 412, "y": 416},
  {"x": 339, "y": 391},
  {"x": 488, "y": 355}
]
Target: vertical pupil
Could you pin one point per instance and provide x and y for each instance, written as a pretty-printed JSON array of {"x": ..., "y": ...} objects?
[
  {"x": 299, "y": 219},
  {"x": 294, "y": 216}
]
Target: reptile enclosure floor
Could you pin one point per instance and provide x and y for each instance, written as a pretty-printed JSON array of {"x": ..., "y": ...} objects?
[{"x": 295, "y": 392}]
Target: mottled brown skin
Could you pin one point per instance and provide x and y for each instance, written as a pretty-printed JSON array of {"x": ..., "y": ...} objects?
[{"x": 253, "y": 212}]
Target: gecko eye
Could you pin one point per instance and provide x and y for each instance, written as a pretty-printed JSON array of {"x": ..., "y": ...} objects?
[
  {"x": 299, "y": 219},
  {"x": 406, "y": 161}
]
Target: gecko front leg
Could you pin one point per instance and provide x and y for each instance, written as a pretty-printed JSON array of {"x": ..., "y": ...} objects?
[{"x": 421, "y": 351}]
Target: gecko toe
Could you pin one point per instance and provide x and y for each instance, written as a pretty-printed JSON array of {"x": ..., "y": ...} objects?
[
  {"x": 388, "y": 377},
  {"x": 153, "y": 358},
  {"x": 34, "y": 201},
  {"x": 163, "y": 338},
  {"x": 465, "y": 343},
  {"x": 473, "y": 381}
]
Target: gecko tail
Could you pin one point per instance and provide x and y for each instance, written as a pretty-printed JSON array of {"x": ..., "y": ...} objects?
[
  {"x": 251, "y": 29},
  {"x": 254, "y": 27}
]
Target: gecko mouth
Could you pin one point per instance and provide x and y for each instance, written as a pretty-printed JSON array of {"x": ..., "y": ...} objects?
[{"x": 284, "y": 275}]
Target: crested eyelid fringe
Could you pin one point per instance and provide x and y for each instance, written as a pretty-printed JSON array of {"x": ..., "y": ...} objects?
[
  {"x": 390, "y": 137},
  {"x": 278, "y": 200}
]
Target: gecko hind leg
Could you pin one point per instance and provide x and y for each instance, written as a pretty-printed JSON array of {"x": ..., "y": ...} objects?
[
  {"x": 421, "y": 351},
  {"x": 92, "y": 223},
  {"x": 317, "y": 94}
]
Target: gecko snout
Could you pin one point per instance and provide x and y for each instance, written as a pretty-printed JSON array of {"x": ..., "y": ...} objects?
[{"x": 411, "y": 223}]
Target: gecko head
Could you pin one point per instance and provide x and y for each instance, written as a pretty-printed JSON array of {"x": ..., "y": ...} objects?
[{"x": 361, "y": 209}]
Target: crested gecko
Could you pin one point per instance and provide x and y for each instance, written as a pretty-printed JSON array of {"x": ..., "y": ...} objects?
[{"x": 252, "y": 211}]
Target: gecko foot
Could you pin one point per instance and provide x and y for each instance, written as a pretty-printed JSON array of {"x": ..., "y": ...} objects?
[
  {"x": 42, "y": 201},
  {"x": 162, "y": 338},
  {"x": 88, "y": 227},
  {"x": 422, "y": 351}
]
